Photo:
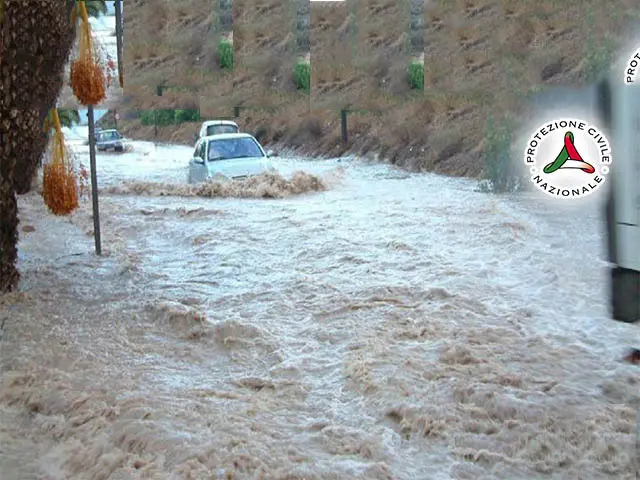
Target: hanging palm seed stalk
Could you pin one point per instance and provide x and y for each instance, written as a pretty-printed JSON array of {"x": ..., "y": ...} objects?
[
  {"x": 87, "y": 76},
  {"x": 59, "y": 186}
]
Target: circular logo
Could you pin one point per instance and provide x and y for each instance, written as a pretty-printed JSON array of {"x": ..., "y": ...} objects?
[{"x": 568, "y": 158}]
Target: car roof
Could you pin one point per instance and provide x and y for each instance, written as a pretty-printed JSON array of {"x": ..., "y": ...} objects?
[
  {"x": 226, "y": 136},
  {"x": 208, "y": 123}
]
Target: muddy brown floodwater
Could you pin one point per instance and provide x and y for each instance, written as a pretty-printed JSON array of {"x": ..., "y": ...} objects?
[{"x": 367, "y": 324}]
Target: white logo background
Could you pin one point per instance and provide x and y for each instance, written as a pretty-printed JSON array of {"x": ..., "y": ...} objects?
[{"x": 547, "y": 141}]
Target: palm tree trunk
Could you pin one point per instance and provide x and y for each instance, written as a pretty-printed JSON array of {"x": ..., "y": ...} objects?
[
  {"x": 36, "y": 43},
  {"x": 14, "y": 127},
  {"x": 58, "y": 35},
  {"x": 8, "y": 214}
]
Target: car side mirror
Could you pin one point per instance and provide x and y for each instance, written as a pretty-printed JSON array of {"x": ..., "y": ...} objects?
[
  {"x": 271, "y": 153},
  {"x": 198, "y": 160}
]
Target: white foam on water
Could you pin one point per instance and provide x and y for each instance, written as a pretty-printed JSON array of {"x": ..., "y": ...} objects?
[{"x": 390, "y": 325}]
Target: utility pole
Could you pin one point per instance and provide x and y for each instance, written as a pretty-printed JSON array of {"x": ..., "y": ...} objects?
[
  {"x": 94, "y": 180},
  {"x": 343, "y": 122},
  {"x": 159, "y": 89},
  {"x": 119, "y": 39}
]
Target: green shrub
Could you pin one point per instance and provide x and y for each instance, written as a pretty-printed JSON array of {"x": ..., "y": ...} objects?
[
  {"x": 146, "y": 117},
  {"x": 190, "y": 115},
  {"x": 68, "y": 117},
  {"x": 499, "y": 173},
  {"x": 167, "y": 116},
  {"x": 303, "y": 76},
  {"x": 226, "y": 55},
  {"x": 416, "y": 75},
  {"x": 161, "y": 117}
]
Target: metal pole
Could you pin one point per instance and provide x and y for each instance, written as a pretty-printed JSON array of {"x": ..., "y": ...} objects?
[
  {"x": 119, "y": 35},
  {"x": 343, "y": 121},
  {"x": 94, "y": 180}
]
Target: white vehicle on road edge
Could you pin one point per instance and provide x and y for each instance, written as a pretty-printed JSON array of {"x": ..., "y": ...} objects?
[
  {"x": 232, "y": 155},
  {"x": 217, "y": 127}
]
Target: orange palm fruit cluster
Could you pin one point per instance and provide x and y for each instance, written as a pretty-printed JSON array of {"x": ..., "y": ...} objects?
[
  {"x": 87, "y": 75},
  {"x": 59, "y": 186}
]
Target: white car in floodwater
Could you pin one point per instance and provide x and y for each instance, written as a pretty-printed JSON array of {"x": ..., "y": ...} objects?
[
  {"x": 217, "y": 127},
  {"x": 232, "y": 155}
]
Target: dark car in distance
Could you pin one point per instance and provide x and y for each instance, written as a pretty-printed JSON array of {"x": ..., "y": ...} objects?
[{"x": 109, "y": 140}]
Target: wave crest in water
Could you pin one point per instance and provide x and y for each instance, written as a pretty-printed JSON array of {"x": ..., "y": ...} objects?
[{"x": 266, "y": 185}]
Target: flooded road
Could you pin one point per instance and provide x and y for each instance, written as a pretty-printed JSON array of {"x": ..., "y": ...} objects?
[{"x": 366, "y": 323}]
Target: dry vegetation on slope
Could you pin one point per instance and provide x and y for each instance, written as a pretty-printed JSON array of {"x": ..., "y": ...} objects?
[
  {"x": 169, "y": 42},
  {"x": 482, "y": 57},
  {"x": 264, "y": 46}
]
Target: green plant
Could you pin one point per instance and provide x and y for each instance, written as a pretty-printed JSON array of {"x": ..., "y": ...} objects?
[
  {"x": 67, "y": 117},
  {"x": 146, "y": 117},
  {"x": 226, "y": 55},
  {"x": 190, "y": 115},
  {"x": 161, "y": 117},
  {"x": 303, "y": 76},
  {"x": 499, "y": 174},
  {"x": 166, "y": 116},
  {"x": 95, "y": 8},
  {"x": 416, "y": 75}
]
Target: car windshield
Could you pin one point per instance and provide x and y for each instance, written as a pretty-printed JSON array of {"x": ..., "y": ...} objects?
[
  {"x": 227, "y": 148},
  {"x": 106, "y": 136},
  {"x": 218, "y": 129}
]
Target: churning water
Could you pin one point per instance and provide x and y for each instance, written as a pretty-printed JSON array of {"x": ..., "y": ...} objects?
[{"x": 353, "y": 321}]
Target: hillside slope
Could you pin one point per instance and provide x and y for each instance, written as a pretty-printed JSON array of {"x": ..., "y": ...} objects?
[{"x": 482, "y": 57}]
